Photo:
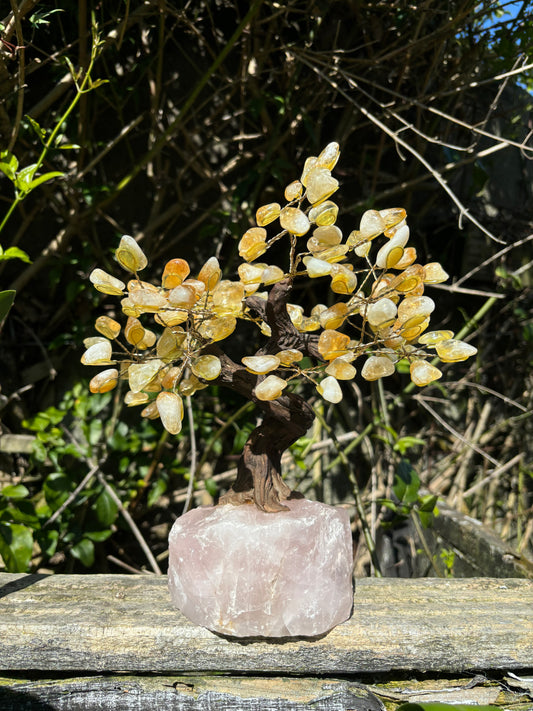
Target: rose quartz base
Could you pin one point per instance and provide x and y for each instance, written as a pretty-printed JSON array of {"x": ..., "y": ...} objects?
[{"x": 240, "y": 571}]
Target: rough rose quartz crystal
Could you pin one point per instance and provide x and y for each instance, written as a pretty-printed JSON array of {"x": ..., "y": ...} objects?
[{"x": 242, "y": 572}]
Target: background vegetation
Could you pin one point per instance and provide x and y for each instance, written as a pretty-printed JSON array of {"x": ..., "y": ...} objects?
[{"x": 173, "y": 121}]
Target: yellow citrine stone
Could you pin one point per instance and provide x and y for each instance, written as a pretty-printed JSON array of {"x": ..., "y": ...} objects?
[
  {"x": 129, "y": 255},
  {"x": 330, "y": 389},
  {"x": 104, "y": 381},
  {"x": 270, "y": 388},
  {"x": 261, "y": 364},
  {"x": 377, "y": 367},
  {"x": 207, "y": 367},
  {"x": 106, "y": 283},
  {"x": 453, "y": 351},
  {"x": 170, "y": 409},
  {"x": 267, "y": 214},
  {"x": 294, "y": 221},
  {"x": 423, "y": 373},
  {"x": 332, "y": 344},
  {"x": 108, "y": 327}
]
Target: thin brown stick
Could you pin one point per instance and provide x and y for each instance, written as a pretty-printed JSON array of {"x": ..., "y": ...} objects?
[
  {"x": 495, "y": 474},
  {"x": 20, "y": 76},
  {"x": 192, "y": 466},
  {"x": 131, "y": 523},
  {"x": 463, "y": 210},
  {"x": 488, "y": 261},
  {"x": 95, "y": 469},
  {"x": 435, "y": 414},
  {"x": 129, "y": 568},
  {"x": 73, "y": 494}
]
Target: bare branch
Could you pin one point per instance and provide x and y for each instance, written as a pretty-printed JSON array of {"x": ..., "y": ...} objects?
[{"x": 463, "y": 211}]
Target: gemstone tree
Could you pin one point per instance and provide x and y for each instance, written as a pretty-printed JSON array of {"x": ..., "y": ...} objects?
[{"x": 380, "y": 317}]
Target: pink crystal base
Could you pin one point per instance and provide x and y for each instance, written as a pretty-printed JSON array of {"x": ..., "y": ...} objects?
[{"x": 242, "y": 572}]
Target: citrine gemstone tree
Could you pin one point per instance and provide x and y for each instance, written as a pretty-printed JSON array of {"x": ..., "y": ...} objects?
[{"x": 171, "y": 344}]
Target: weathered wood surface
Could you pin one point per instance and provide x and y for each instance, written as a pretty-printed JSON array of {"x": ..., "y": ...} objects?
[
  {"x": 478, "y": 550},
  {"x": 207, "y": 693},
  {"x": 188, "y": 694},
  {"x": 97, "y": 623}
]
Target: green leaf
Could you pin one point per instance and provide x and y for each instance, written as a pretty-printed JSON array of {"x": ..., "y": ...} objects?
[
  {"x": 41, "y": 18},
  {"x": 405, "y": 443},
  {"x": 242, "y": 435},
  {"x": 388, "y": 504},
  {"x": 17, "y": 491},
  {"x": 41, "y": 132},
  {"x": 119, "y": 439},
  {"x": 426, "y": 518},
  {"x": 156, "y": 491},
  {"x": 57, "y": 486},
  {"x": 98, "y": 536},
  {"x": 21, "y": 512},
  {"x": 44, "y": 178},
  {"x": 84, "y": 552},
  {"x": 435, "y": 706},
  {"x": 391, "y": 431},
  {"x": 9, "y": 165},
  {"x": 6, "y": 302},
  {"x": 406, "y": 482},
  {"x": 15, "y": 253},
  {"x": 16, "y": 546},
  {"x": 39, "y": 451},
  {"x": 427, "y": 503},
  {"x": 39, "y": 423},
  {"x": 105, "y": 508},
  {"x": 47, "y": 540},
  {"x": 24, "y": 178},
  {"x": 94, "y": 431},
  {"x": 211, "y": 487}
]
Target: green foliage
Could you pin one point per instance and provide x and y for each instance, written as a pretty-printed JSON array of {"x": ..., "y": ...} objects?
[
  {"x": 17, "y": 518},
  {"x": 13, "y": 253},
  {"x": 6, "y": 302},
  {"x": 188, "y": 181},
  {"x": 447, "y": 557},
  {"x": 408, "y": 499},
  {"x": 36, "y": 521},
  {"x": 16, "y": 545},
  {"x": 23, "y": 179},
  {"x": 42, "y": 17}
]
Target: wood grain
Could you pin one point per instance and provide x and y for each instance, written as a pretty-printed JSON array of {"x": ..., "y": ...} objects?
[
  {"x": 247, "y": 693},
  {"x": 106, "y": 623},
  {"x": 126, "y": 693}
]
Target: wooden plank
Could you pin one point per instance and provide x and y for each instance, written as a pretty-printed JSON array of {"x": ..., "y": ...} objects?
[
  {"x": 478, "y": 550},
  {"x": 124, "y": 693},
  {"x": 16, "y": 443},
  {"x": 96, "y": 623},
  {"x": 226, "y": 693}
]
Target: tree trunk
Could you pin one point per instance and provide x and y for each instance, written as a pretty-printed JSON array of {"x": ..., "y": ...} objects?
[{"x": 286, "y": 419}]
